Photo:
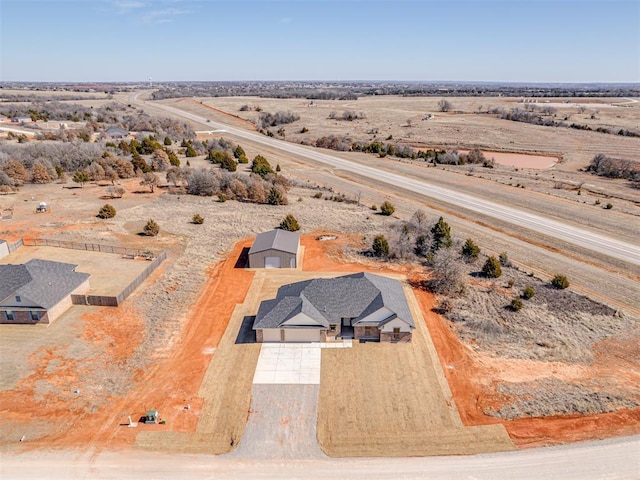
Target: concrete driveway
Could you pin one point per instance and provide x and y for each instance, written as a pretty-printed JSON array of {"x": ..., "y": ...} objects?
[
  {"x": 291, "y": 363},
  {"x": 284, "y": 403}
]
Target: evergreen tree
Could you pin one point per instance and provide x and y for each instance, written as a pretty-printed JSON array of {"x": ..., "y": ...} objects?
[
  {"x": 380, "y": 246},
  {"x": 491, "y": 268},
  {"x": 470, "y": 250},
  {"x": 441, "y": 233},
  {"x": 290, "y": 224}
]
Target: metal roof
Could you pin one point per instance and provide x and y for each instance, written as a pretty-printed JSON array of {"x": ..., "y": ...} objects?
[
  {"x": 43, "y": 282},
  {"x": 278, "y": 239},
  {"x": 328, "y": 300}
]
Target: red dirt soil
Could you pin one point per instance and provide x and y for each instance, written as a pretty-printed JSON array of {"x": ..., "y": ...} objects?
[
  {"x": 473, "y": 381},
  {"x": 174, "y": 381}
]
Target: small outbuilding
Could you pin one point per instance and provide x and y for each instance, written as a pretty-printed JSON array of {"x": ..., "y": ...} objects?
[{"x": 275, "y": 249}]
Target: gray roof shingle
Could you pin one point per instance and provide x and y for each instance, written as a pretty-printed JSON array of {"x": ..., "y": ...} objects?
[
  {"x": 278, "y": 239},
  {"x": 41, "y": 281},
  {"x": 328, "y": 300}
]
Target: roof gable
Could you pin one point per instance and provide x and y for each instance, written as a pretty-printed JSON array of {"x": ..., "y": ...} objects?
[
  {"x": 12, "y": 278},
  {"x": 328, "y": 300},
  {"x": 278, "y": 239},
  {"x": 44, "y": 282}
]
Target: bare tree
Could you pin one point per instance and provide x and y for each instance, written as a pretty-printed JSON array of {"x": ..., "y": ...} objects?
[
  {"x": 150, "y": 180},
  {"x": 445, "y": 105},
  {"x": 447, "y": 274}
]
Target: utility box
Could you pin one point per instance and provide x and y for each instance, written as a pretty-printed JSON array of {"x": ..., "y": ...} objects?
[{"x": 152, "y": 416}]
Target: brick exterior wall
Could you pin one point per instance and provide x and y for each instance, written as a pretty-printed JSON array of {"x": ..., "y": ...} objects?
[
  {"x": 360, "y": 332},
  {"x": 259, "y": 337},
  {"x": 388, "y": 337},
  {"x": 24, "y": 317}
]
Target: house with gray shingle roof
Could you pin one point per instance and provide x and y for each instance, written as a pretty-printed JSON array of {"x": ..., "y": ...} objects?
[
  {"x": 275, "y": 249},
  {"x": 38, "y": 291},
  {"x": 362, "y": 306}
]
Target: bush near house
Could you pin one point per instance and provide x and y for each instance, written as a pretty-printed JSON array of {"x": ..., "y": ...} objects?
[
  {"x": 290, "y": 224},
  {"x": 380, "y": 246}
]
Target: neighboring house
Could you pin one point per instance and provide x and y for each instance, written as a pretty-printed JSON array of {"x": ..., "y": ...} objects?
[
  {"x": 4, "y": 248},
  {"x": 115, "y": 132},
  {"x": 359, "y": 306},
  {"x": 38, "y": 291},
  {"x": 275, "y": 249}
]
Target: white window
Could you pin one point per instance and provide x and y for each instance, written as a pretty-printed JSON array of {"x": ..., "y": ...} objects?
[
  {"x": 9, "y": 315},
  {"x": 18, "y": 299},
  {"x": 35, "y": 316}
]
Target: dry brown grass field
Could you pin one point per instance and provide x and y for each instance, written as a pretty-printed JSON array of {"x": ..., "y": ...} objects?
[
  {"x": 466, "y": 126},
  {"x": 172, "y": 343}
]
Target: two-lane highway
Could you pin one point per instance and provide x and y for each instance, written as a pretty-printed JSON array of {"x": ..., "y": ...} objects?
[{"x": 581, "y": 237}]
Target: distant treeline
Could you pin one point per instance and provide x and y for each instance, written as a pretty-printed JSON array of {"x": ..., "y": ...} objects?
[{"x": 353, "y": 90}]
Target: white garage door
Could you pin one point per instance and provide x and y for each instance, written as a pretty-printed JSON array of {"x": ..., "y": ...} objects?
[
  {"x": 271, "y": 335},
  {"x": 272, "y": 262},
  {"x": 301, "y": 335}
]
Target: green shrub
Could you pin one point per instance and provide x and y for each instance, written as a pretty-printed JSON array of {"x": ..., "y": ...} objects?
[
  {"x": 239, "y": 152},
  {"x": 276, "y": 197},
  {"x": 491, "y": 268},
  {"x": 260, "y": 166},
  {"x": 560, "y": 281},
  {"x": 107, "y": 211},
  {"x": 470, "y": 250},
  {"x": 608, "y": 206},
  {"x": 528, "y": 292},
  {"x": 197, "y": 219},
  {"x": 516, "y": 304},
  {"x": 290, "y": 224},
  {"x": 387, "y": 209},
  {"x": 380, "y": 246},
  {"x": 317, "y": 195},
  {"x": 151, "y": 229},
  {"x": 190, "y": 151},
  {"x": 167, "y": 141}
]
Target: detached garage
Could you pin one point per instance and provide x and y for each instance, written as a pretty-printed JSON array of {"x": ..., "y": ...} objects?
[{"x": 275, "y": 249}]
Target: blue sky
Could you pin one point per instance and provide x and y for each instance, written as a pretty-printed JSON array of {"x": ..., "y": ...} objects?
[{"x": 413, "y": 40}]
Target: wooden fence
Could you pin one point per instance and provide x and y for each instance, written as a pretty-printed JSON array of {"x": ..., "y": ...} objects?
[
  {"x": 99, "y": 300},
  {"x": 15, "y": 245},
  {"x": 111, "y": 301},
  {"x": 90, "y": 247}
]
